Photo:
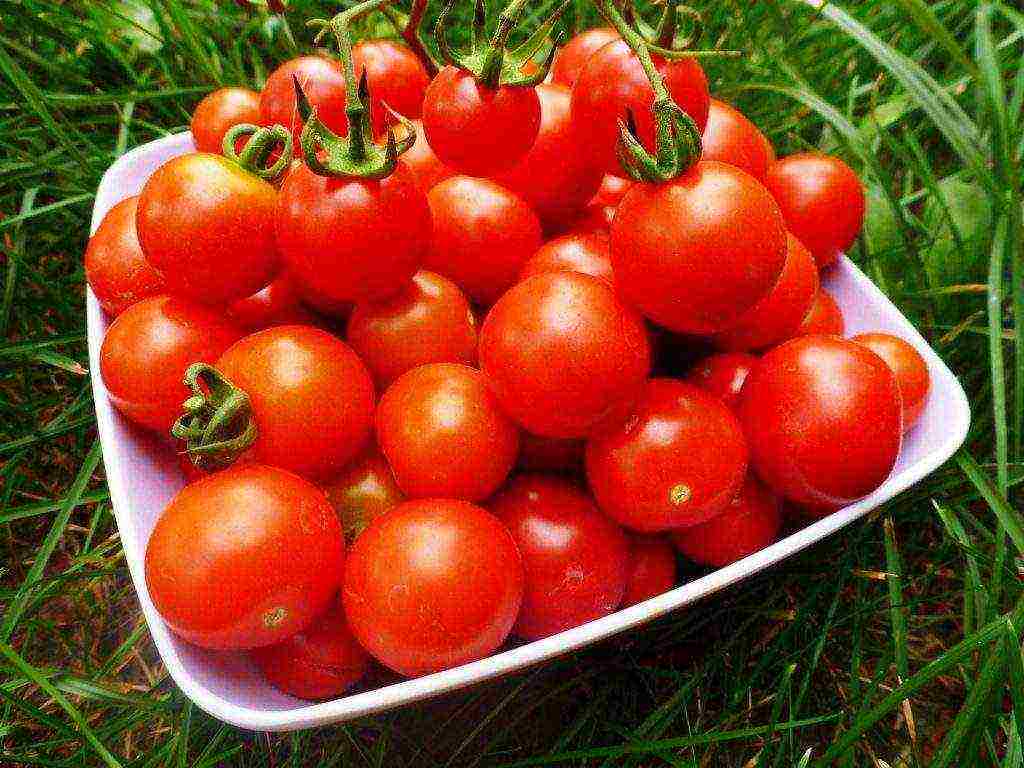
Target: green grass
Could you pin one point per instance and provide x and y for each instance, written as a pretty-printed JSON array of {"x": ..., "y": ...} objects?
[{"x": 896, "y": 642}]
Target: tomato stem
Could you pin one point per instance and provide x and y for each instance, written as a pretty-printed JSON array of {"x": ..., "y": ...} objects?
[
  {"x": 408, "y": 26},
  {"x": 217, "y": 424},
  {"x": 258, "y": 149}
]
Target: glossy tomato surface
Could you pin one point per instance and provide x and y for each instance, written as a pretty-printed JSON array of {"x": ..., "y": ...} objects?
[
  {"x": 723, "y": 374},
  {"x": 572, "y": 56},
  {"x": 278, "y": 303},
  {"x": 652, "y": 568},
  {"x": 586, "y": 252},
  {"x": 910, "y": 368},
  {"x": 396, "y": 77},
  {"x": 730, "y": 137},
  {"x": 424, "y": 164},
  {"x": 364, "y": 490},
  {"x": 218, "y": 112},
  {"x": 323, "y": 82},
  {"x": 824, "y": 317}
]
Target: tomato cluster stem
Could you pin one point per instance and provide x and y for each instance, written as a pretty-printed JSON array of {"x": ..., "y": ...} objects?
[
  {"x": 217, "y": 424},
  {"x": 258, "y": 149}
]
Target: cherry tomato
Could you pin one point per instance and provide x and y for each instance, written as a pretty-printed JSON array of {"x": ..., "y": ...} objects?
[
  {"x": 429, "y": 322},
  {"x": 750, "y": 523},
  {"x": 478, "y": 130},
  {"x": 822, "y": 201},
  {"x": 483, "y": 234},
  {"x": 910, "y": 368},
  {"x": 444, "y": 435},
  {"x": 677, "y": 461},
  {"x": 396, "y": 77},
  {"x": 147, "y": 349},
  {"x": 612, "y": 190},
  {"x": 576, "y": 559},
  {"x": 572, "y": 56},
  {"x": 824, "y": 317},
  {"x": 279, "y": 303},
  {"x": 352, "y": 239},
  {"x": 220, "y": 111},
  {"x": 652, "y": 568},
  {"x": 320, "y": 662},
  {"x": 585, "y": 252},
  {"x": 115, "y": 266},
  {"x": 550, "y": 454},
  {"x": 208, "y": 226},
  {"x": 433, "y": 584},
  {"x": 612, "y": 81},
  {"x": 777, "y": 316},
  {"x": 563, "y": 355},
  {"x": 696, "y": 253},
  {"x": 424, "y": 164},
  {"x": 244, "y": 558},
  {"x": 323, "y": 82},
  {"x": 723, "y": 375},
  {"x": 311, "y": 396},
  {"x": 823, "y": 419},
  {"x": 364, "y": 490},
  {"x": 730, "y": 137}
]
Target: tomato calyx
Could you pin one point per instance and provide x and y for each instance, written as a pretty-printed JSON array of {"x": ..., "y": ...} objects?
[
  {"x": 259, "y": 148},
  {"x": 217, "y": 424}
]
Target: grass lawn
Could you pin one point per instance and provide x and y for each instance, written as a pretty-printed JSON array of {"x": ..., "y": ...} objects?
[{"x": 896, "y": 642}]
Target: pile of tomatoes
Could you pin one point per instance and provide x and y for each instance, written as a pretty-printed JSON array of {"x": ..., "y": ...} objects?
[{"x": 453, "y": 404}]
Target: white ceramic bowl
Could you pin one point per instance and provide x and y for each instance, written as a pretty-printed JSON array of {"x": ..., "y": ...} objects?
[{"x": 143, "y": 476}]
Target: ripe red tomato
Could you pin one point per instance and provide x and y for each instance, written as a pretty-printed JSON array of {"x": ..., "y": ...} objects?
[
  {"x": 115, "y": 266},
  {"x": 208, "y": 226},
  {"x": 424, "y": 164},
  {"x": 244, "y": 558},
  {"x": 575, "y": 559},
  {"x": 730, "y": 137},
  {"x": 444, "y": 435},
  {"x": 364, "y": 490},
  {"x": 279, "y": 303},
  {"x": 323, "y": 82},
  {"x": 147, "y": 349},
  {"x": 428, "y": 322},
  {"x": 823, "y": 419},
  {"x": 478, "y": 130},
  {"x": 723, "y": 375},
  {"x": 585, "y": 252},
  {"x": 777, "y": 316},
  {"x": 396, "y": 77},
  {"x": 483, "y": 234},
  {"x": 320, "y": 662},
  {"x": 352, "y": 239},
  {"x": 652, "y": 568},
  {"x": 554, "y": 176},
  {"x": 750, "y": 523},
  {"x": 696, "y": 253},
  {"x": 910, "y": 368},
  {"x": 563, "y": 355},
  {"x": 220, "y": 111},
  {"x": 824, "y": 318},
  {"x": 612, "y": 81},
  {"x": 612, "y": 190},
  {"x": 572, "y": 56},
  {"x": 822, "y": 201},
  {"x": 433, "y": 584},
  {"x": 311, "y": 396},
  {"x": 677, "y": 461},
  {"x": 550, "y": 454}
]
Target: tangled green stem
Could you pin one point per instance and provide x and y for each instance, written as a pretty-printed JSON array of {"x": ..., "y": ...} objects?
[
  {"x": 258, "y": 149},
  {"x": 217, "y": 424}
]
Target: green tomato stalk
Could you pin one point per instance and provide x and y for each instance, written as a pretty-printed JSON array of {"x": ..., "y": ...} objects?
[
  {"x": 217, "y": 424},
  {"x": 258, "y": 149}
]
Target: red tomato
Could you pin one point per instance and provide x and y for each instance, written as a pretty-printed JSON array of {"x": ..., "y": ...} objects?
[
  {"x": 585, "y": 252},
  {"x": 483, "y": 234},
  {"x": 696, "y": 253},
  {"x": 910, "y": 368},
  {"x": 822, "y": 201},
  {"x": 575, "y": 558},
  {"x": 311, "y": 396},
  {"x": 433, "y": 584},
  {"x": 475, "y": 129},
  {"x": 730, "y": 137},
  {"x": 750, "y": 523},
  {"x": 824, "y": 317},
  {"x": 563, "y": 355},
  {"x": 218, "y": 112},
  {"x": 279, "y": 303},
  {"x": 396, "y": 77},
  {"x": 613, "y": 81},
  {"x": 352, "y": 239},
  {"x": 426, "y": 167},
  {"x": 550, "y": 454},
  {"x": 652, "y": 568},
  {"x": 612, "y": 190},
  {"x": 443, "y": 434},
  {"x": 723, "y": 375},
  {"x": 115, "y": 266},
  {"x": 429, "y": 322},
  {"x": 208, "y": 226},
  {"x": 244, "y": 558},
  {"x": 364, "y": 490},
  {"x": 823, "y": 419},
  {"x": 777, "y": 316},
  {"x": 677, "y": 461},
  {"x": 147, "y": 349},
  {"x": 323, "y": 82},
  {"x": 572, "y": 56},
  {"x": 554, "y": 177},
  {"x": 320, "y": 662}
]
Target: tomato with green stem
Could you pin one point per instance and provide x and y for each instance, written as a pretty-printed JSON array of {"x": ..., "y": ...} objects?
[
  {"x": 322, "y": 80},
  {"x": 723, "y": 375},
  {"x": 115, "y": 266},
  {"x": 396, "y": 76},
  {"x": 730, "y": 137},
  {"x": 652, "y": 568},
  {"x": 910, "y": 368},
  {"x": 218, "y": 112}
]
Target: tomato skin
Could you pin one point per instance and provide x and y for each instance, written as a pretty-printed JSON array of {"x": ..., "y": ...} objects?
[
  {"x": 723, "y": 375},
  {"x": 652, "y": 568},
  {"x": 676, "y": 462},
  {"x": 277, "y": 303},
  {"x": 696, "y": 253},
  {"x": 424, "y": 164},
  {"x": 433, "y": 584},
  {"x": 312, "y": 397},
  {"x": 220, "y": 111},
  {"x": 563, "y": 355},
  {"x": 585, "y": 252},
  {"x": 147, "y": 349},
  {"x": 364, "y": 490},
  {"x": 477, "y": 130},
  {"x": 730, "y": 137},
  {"x": 779, "y": 315},
  {"x": 750, "y": 523},
  {"x": 550, "y": 454},
  {"x": 483, "y": 234},
  {"x": 444, "y": 435},
  {"x": 352, "y": 239},
  {"x": 572, "y": 56},
  {"x": 823, "y": 419},
  {"x": 320, "y": 662},
  {"x": 220, "y": 590},
  {"x": 823, "y": 318},
  {"x": 613, "y": 188},
  {"x": 396, "y": 77},
  {"x": 429, "y": 322},
  {"x": 323, "y": 82},
  {"x": 115, "y": 267},
  {"x": 612, "y": 81},
  {"x": 575, "y": 558},
  {"x": 910, "y": 368},
  {"x": 822, "y": 200}
]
